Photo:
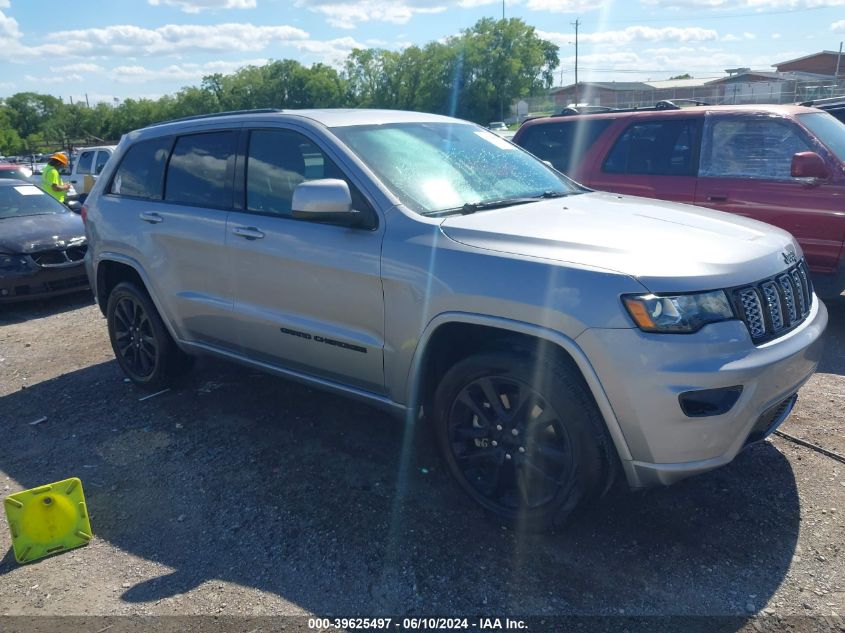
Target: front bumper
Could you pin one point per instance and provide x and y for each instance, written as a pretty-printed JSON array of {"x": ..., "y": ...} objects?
[
  {"x": 643, "y": 375},
  {"x": 34, "y": 282}
]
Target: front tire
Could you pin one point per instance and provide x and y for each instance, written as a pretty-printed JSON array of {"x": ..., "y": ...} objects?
[
  {"x": 142, "y": 345},
  {"x": 522, "y": 436}
]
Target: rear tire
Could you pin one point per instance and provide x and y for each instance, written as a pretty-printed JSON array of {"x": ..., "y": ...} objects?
[
  {"x": 141, "y": 343},
  {"x": 522, "y": 436}
]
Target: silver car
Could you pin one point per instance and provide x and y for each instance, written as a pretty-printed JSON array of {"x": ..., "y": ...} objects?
[{"x": 553, "y": 337}]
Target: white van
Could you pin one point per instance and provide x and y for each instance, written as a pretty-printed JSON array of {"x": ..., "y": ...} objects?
[{"x": 90, "y": 163}]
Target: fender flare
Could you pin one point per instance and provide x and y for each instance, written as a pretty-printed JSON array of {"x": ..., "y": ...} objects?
[
  {"x": 553, "y": 336},
  {"x": 135, "y": 265}
]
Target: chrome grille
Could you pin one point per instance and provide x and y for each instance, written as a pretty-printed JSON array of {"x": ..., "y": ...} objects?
[
  {"x": 770, "y": 292},
  {"x": 788, "y": 293},
  {"x": 753, "y": 312},
  {"x": 775, "y": 305},
  {"x": 60, "y": 258}
]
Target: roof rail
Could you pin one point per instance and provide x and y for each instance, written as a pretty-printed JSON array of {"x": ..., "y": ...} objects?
[
  {"x": 672, "y": 104},
  {"x": 590, "y": 109},
  {"x": 824, "y": 101},
  {"x": 665, "y": 104},
  {"x": 210, "y": 115}
]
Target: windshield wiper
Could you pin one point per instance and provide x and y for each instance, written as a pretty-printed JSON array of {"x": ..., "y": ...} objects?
[{"x": 472, "y": 207}]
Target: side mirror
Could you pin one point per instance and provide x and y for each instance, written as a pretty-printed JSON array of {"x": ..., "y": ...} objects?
[
  {"x": 325, "y": 200},
  {"x": 74, "y": 205},
  {"x": 809, "y": 165}
]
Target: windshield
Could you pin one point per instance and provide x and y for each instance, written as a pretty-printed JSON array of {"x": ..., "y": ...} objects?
[
  {"x": 440, "y": 167},
  {"x": 829, "y": 130},
  {"x": 21, "y": 200}
]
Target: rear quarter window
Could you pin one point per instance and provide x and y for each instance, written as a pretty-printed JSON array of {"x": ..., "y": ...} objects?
[
  {"x": 141, "y": 172},
  {"x": 564, "y": 143}
]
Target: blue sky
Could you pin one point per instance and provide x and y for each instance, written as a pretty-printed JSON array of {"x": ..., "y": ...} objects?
[{"x": 136, "y": 48}]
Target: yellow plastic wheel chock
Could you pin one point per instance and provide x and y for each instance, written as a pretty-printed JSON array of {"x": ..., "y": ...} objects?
[{"x": 48, "y": 519}]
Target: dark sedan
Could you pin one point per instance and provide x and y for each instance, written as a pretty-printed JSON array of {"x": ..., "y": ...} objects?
[{"x": 42, "y": 244}]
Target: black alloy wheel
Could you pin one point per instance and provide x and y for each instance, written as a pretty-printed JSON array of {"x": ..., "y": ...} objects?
[
  {"x": 134, "y": 337},
  {"x": 142, "y": 345},
  {"x": 510, "y": 444},
  {"x": 522, "y": 436}
]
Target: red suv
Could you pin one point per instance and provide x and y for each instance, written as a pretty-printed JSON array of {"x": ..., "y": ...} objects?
[{"x": 784, "y": 165}]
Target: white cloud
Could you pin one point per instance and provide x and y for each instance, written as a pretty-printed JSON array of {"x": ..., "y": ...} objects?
[
  {"x": 743, "y": 4},
  {"x": 636, "y": 34},
  {"x": 195, "y": 6},
  {"x": 128, "y": 40},
  {"x": 4, "y": 4},
  {"x": 838, "y": 27},
  {"x": 52, "y": 78},
  {"x": 730, "y": 37},
  {"x": 776, "y": 36},
  {"x": 8, "y": 28},
  {"x": 177, "y": 72},
  {"x": 346, "y": 15},
  {"x": 80, "y": 68},
  {"x": 332, "y": 52},
  {"x": 565, "y": 6}
]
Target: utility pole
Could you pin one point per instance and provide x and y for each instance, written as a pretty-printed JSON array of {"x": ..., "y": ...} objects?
[
  {"x": 503, "y": 9},
  {"x": 838, "y": 59},
  {"x": 576, "y": 24},
  {"x": 87, "y": 105}
]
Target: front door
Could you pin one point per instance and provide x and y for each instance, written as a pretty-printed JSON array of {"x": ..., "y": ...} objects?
[
  {"x": 308, "y": 296},
  {"x": 745, "y": 169}
]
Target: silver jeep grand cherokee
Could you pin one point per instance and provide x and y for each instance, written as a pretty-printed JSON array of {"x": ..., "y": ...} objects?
[{"x": 553, "y": 337}]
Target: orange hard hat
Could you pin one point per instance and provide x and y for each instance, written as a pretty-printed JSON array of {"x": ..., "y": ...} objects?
[{"x": 60, "y": 157}]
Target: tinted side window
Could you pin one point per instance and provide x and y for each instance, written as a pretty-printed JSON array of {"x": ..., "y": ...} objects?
[
  {"x": 751, "y": 148},
  {"x": 277, "y": 161},
  {"x": 664, "y": 148},
  {"x": 564, "y": 144},
  {"x": 83, "y": 165},
  {"x": 141, "y": 172},
  {"x": 102, "y": 159},
  {"x": 200, "y": 170}
]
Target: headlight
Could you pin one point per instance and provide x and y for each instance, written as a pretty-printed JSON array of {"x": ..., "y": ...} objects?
[
  {"x": 679, "y": 313},
  {"x": 11, "y": 263}
]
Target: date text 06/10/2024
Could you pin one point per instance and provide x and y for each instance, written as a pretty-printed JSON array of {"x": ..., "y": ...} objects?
[{"x": 416, "y": 624}]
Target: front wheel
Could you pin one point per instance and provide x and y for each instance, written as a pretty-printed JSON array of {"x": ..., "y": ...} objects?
[
  {"x": 522, "y": 436},
  {"x": 142, "y": 345}
]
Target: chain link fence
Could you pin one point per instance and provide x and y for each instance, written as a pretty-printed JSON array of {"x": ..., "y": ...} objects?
[{"x": 759, "y": 92}]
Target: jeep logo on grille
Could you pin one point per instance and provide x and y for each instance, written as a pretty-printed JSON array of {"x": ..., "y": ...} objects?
[{"x": 789, "y": 257}]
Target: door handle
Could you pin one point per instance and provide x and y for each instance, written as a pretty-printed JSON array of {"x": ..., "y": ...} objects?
[
  {"x": 152, "y": 218},
  {"x": 248, "y": 232},
  {"x": 717, "y": 197}
]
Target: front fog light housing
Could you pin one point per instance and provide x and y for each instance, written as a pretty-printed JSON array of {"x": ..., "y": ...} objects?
[{"x": 678, "y": 313}]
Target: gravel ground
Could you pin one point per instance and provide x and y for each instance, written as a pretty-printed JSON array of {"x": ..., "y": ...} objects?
[{"x": 243, "y": 494}]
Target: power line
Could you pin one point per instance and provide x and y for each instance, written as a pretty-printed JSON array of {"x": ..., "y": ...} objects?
[{"x": 700, "y": 18}]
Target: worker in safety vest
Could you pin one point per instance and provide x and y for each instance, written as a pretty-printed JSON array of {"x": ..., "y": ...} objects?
[{"x": 51, "y": 179}]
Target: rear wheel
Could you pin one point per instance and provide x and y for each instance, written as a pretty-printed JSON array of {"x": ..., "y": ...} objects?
[
  {"x": 521, "y": 436},
  {"x": 142, "y": 345}
]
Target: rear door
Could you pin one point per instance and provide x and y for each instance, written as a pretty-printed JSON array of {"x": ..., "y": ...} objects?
[
  {"x": 653, "y": 158},
  {"x": 308, "y": 295},
  {"x": 745, "y": 169},
  {"x": 172, "y": 195}
]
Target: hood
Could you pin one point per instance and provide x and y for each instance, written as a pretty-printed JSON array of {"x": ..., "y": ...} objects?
[
  {"x": 668, "y": 247},
  {"x": 33, "y": 233}
]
